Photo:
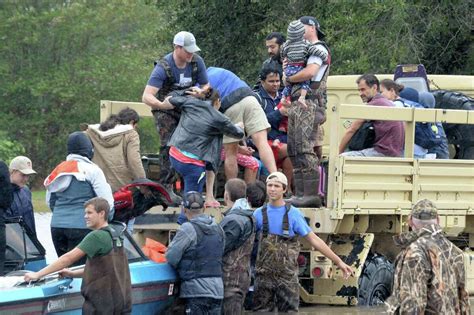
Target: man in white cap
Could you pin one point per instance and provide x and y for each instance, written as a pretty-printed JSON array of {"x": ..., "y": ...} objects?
[
  {"x": 178, "y": 70},
  {"x": 280, "y": 224},
  {"x": 305, "y": 134},
  {"x": 20, "y": 170}
]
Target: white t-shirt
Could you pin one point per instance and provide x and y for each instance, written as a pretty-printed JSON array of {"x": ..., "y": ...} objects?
[{"x": 317, "y": 60}]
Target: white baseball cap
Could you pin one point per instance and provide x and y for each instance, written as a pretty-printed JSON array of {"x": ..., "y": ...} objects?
[
  {"x": 22, "y": 164},
  {"x": 187, "y": 41}
]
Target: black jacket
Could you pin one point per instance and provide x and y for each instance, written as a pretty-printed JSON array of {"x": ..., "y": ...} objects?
[
  {"x": 22, "y": 206},
  {"x": 5, "y": 189},
  {"x": 201, "y": 128}
]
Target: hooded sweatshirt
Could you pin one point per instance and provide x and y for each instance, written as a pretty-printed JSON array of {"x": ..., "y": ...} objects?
[
  {"x": 117, "y": 153},
  {"x": 70, "y": 185}
]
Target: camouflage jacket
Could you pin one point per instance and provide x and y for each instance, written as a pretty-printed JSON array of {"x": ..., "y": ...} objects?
[{"x": 429, "y": 275}]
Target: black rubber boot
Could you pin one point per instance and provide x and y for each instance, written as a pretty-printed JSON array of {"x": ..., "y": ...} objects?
[
  {"x": 299, "y": 187},
  {"x": 176, "y": 200},
  {"x": 310, "y": 197}
]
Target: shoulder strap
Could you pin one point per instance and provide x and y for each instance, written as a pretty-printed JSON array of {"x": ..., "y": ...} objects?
[
  {"x": 194, "y": 71},
  {"x": 264, "y": 220},
  {"x": 286, "y": 221},
  {"x": 166, "y": 66},
  {"x": 116, "y": 235}
]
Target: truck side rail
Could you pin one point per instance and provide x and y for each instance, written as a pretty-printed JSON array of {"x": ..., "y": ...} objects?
[{"x": 359, "y": 185}]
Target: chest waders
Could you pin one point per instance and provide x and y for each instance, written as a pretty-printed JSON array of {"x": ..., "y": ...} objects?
[
  {"x": 166, "y": 121},
  {"x": 303, "y": 126},
  {"x": 236, "y": 274},
  {"x": 106, "y": 284},
  {"x": 276, "y": 281}
]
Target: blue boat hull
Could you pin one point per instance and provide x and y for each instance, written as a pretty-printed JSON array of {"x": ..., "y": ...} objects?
[{"x": 153, "y": 291}]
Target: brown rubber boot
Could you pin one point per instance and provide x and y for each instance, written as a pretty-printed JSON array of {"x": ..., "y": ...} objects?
[{"x": 310, "y": 197}]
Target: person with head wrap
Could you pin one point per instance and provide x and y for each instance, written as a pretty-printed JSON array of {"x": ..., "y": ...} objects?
[{"x": 68, "y": 187}]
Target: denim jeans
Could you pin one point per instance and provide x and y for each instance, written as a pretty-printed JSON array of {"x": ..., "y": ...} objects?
[
  {"x": 194, "y": 179},
  {"x": 203, "y": 306}
]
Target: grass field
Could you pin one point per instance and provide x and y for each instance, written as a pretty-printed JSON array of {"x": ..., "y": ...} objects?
[{"x": 39, "y": 201}]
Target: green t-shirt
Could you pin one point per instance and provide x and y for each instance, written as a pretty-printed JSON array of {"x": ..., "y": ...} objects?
[{"x": 96, "y": 243}]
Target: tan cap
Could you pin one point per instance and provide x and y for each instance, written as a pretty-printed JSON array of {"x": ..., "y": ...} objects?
[
  {"x": 424, "y": 210},
  {"x": 22, "y": 164},
  {"x": 277, "y": 177}
]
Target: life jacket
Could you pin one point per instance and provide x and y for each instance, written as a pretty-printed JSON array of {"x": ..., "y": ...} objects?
[
  {"x": 106, "y": 284},
  {"x": 427, "y": 134},
  {"x": 205, "y": 259},
  {"x": 169, "y": 83}
]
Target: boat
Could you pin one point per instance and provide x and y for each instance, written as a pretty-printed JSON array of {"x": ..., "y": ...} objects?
[{"x": 154, "y": 285}]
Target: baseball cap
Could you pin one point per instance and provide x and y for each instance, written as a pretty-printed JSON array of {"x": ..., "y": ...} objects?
[
  {"x": 22, "y": 164},
  {"x": 424, "y": 210},
  {"x": 186, "y": 40},
  {"x": 193, "y": 200},
  {"x": 310, "y": 20},
  {"x": 278, "y": 177}
]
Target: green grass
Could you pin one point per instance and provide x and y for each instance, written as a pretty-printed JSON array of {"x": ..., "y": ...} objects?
[{"x": 39, "y": 201}]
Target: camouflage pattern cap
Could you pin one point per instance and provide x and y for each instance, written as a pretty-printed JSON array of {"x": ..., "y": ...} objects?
[{"x": 424, "y": 210}]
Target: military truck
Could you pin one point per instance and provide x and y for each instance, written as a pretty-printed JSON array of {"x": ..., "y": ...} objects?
[{"x": 367, "y": 199}]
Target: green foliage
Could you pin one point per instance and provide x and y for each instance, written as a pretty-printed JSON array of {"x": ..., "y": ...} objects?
[
  {"x": 364, "y": 36},
  {"x": 60, "y": 58},
  {"x": 9, "y": 149}
]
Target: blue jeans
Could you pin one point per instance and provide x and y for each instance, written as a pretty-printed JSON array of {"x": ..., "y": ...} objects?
[
  {"x": 203, "y": 306},
  {"x": 194, "y": 179}
]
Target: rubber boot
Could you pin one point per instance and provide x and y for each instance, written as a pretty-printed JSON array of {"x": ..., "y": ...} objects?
[
  {"x": 299, "y": 187},
  {"x": 310, "y": 197},
  {"x": 176, "y": 200}
]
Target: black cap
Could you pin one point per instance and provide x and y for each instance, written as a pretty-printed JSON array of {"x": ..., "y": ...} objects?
[
  {"x": 311, "y": 20},
  {"x": 193, "y": 200},
  {"x": 79, "y": 143}
]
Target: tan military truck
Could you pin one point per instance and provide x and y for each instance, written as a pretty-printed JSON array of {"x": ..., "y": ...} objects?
[{"x": 368, "y": 199}]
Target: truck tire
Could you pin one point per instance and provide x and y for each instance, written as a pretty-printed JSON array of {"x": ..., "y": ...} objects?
[
  {"x": 460, "y": 136},
  {"x": 375, "y": 283}
]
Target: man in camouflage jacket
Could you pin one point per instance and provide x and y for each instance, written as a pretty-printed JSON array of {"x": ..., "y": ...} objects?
[
  {"x": 239, "y": 227},
  {"x": 429, "y": 271}
]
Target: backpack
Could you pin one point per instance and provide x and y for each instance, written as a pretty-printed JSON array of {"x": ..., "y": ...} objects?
[
  {"x": 427, "y": 134},
  {"x": 364, "y": 137}
]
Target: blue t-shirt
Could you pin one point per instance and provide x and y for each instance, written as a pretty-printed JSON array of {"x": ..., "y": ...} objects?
[
  {"x": 224, "y": 81},
  {"x": 296, "y": 220},
  {"x": 182, "y": 77}
]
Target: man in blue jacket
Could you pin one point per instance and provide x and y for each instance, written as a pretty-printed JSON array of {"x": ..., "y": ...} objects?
[{"x": 20, "y": 170}]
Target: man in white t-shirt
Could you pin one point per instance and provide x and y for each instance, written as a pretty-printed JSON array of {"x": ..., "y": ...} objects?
[{"x": 305, "y": 134}]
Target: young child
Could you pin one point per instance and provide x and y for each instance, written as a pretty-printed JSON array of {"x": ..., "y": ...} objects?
[{"x": 296, "y": 50}]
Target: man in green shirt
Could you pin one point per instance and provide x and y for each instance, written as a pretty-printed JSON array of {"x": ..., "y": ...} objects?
[{"x": 106, "y": 267}]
